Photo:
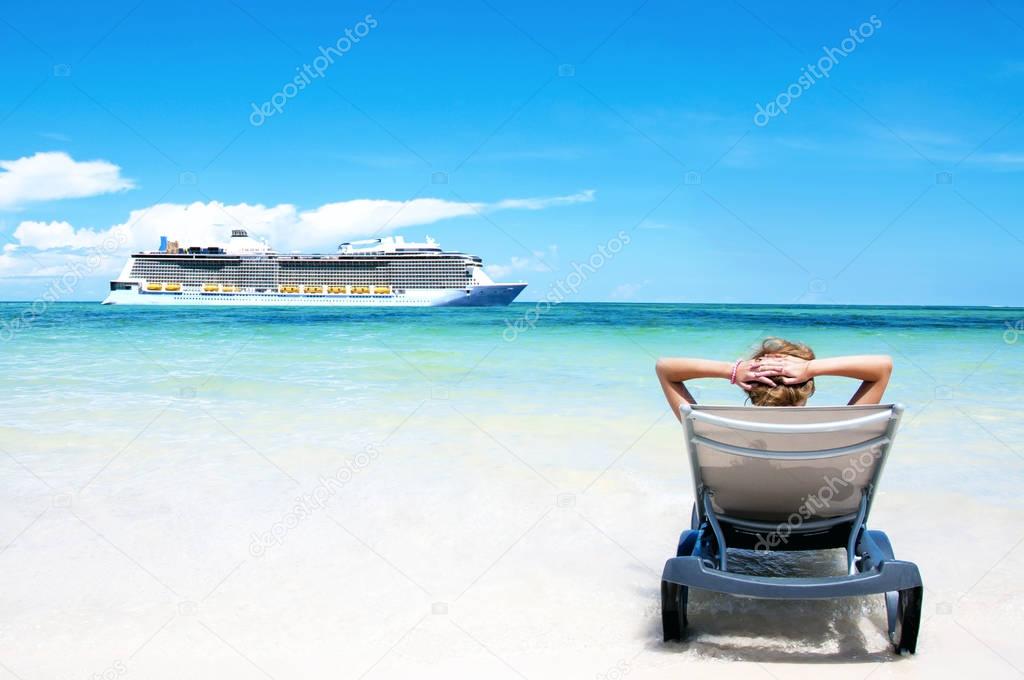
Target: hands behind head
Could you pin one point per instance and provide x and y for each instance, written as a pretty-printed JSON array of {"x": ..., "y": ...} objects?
[
  {"x": 787, "y": 369},
  {"x": 748, "y": 374}
]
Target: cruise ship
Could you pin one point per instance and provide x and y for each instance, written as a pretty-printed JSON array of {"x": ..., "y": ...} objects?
[{"x": 380, "y": 272}]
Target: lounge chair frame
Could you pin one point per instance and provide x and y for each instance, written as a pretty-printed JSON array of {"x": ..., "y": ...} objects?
[{"x": 701, "y": 557}]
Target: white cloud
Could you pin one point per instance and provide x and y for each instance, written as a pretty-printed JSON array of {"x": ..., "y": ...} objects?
[
  {"x": 363, "y": 217},
  {"x": 47, "y": 235},
  {"x": 541, "y": 203},
  {"x": 500, "y": 271},
  {"x": 50, "y": 175},
  {"x": 542, "y": 154},
  {"x": 377, "y": 160},
  {"x": 284, "y": 226},
  {"x": 628, "y": 291},
  {"x": 541, "y": 261},
  {"x": 21, "y": 264},
  {"x": 1009, "y": 69},
  {"x": 998, "y": 159}
]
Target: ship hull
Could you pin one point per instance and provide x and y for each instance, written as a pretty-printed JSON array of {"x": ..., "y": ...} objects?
[{"x": 495, "y": 295}]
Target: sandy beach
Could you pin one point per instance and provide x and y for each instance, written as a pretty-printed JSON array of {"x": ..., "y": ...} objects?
[{"x": 231, "y": 513}]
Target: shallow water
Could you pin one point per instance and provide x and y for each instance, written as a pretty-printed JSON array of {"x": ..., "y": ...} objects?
[{"x": 303, "y": 491}]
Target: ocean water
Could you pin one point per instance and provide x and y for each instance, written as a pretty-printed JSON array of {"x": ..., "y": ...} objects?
[{"x": 374, "y": 493}]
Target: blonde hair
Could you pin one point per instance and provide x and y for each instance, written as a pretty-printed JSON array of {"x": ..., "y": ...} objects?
[{"x": 781, "y": 394}]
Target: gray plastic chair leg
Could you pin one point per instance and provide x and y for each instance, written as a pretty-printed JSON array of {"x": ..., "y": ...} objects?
[
  {"x": 908, "y": 620},
  {"x": 892, "y": 602}
]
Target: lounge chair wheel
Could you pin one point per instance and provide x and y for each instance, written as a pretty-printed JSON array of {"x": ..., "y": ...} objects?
[
  {"x": 908, "y": 620},
  {"x": 673, "y": 610}
]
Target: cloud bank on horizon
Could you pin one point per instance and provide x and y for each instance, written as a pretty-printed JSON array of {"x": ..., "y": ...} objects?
[{"x": 45, "y": 248}]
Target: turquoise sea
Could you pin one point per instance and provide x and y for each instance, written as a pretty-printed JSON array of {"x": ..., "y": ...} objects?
[
  {"x": 153, "y": 457},
  {"x": 84, "y": 365}
]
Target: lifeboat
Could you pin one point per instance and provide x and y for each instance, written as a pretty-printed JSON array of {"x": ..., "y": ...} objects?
[
  {"x": 313, "y": 290},
  {"x": 289, "y": 289},
  {"x": 211, "y": 288},
  {"x": 229, "y": 289},
  {"x": 381, "y": 290},
  {"x": 172, "y": 287},
  {"x": 360, "y": 290},
  {"x": 336, "y": 290},
  {"x": 154, "y": 286}
]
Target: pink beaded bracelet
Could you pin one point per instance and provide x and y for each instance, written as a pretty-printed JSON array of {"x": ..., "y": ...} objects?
[{"x": 735, "y": 367}]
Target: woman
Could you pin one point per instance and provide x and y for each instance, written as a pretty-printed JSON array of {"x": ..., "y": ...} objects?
[{"x": 780, "y": 373}]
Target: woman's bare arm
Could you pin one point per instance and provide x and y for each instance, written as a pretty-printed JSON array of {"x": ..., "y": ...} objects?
[
  {"x": 673, "y": 372},
  {"x": 873, "y": 370}
]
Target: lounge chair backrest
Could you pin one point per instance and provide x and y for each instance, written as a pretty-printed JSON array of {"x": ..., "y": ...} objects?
[{"x": 766, "y": 463}]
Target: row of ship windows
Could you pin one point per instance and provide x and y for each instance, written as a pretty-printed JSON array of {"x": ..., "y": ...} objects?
[
  {"x": 141, "y": 271},
  {"x": 297, "y": 277},
  {"x": 227, "y": 278},
  {"x": 317, "y": 262},
  {"x": 409, "y": 283},
  {"x": 236, "y": 265},
  {"x": 307, "y": 272},
  {"x": 187, "y": 285}
]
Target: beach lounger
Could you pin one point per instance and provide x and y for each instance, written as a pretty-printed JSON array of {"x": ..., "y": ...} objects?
[{"x": 789, "y": 478}]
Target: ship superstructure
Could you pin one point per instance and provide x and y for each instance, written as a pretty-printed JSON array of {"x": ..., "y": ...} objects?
[{"x": 376, "y": 272}]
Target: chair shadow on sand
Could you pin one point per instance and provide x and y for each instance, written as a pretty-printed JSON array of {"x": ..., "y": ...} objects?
[{"x": 844, "y": 630}]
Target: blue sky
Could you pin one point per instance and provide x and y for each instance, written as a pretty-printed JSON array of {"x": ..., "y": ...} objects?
[{"x": 610, "y": 116}]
